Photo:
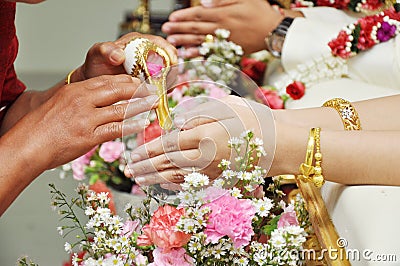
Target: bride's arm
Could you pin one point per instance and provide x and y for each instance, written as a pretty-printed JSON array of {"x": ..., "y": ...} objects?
[
  {"x": 349, "y": 157},
  {"x": 375, "y": 114}
]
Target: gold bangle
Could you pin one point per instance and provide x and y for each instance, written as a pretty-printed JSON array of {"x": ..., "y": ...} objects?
[
  {"x": 347, "y": 113},
  {"x": 68, "y": 78},
  {"x": 310, "y": 173}
]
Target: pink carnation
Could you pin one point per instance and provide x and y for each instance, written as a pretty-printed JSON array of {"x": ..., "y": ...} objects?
[
  {"x": 230, "y": 217},
  {"x": 111, "y": 151},
  {"x": 176, "y": 256}
]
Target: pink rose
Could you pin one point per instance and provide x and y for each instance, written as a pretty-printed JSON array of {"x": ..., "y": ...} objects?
[
  {"x": 230, "y": 217},
  {"x": 111, "y": 151},
  {"x": 162, "y": 232},
  {"x": 176, "y": 256},
  {"x": 130, "y": 227},
  {"x": 269, "y": 97},
  {"x": 288, "y": 217},
  {"x": 296, "y": 90}
]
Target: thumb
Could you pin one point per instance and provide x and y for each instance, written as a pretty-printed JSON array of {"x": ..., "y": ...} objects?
[{"x": 112, "y": 53}]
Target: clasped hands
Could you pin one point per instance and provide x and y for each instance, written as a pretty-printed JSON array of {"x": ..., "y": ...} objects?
[{"x": 201, "y": 141}]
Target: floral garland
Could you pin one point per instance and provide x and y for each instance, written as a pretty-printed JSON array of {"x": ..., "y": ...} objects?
[
  {"x": 359, "y": 36},
  {"x": 358, "y": 6}
]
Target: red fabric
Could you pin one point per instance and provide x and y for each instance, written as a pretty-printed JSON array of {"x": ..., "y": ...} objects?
[{"x": 10, "y": 86}]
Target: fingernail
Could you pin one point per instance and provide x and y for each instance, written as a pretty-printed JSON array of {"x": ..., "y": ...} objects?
[
  {"x": 117, "y": 56},
  {"x": 135, "y": 157},
  {"x": 171, "y": 40},
  {"x": 140, "y": 180},
  {"x": 206, "y": 3},
  {"x": 128, "y": 172}
]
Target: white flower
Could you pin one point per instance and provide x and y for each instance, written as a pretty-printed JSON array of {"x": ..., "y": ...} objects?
[
  {"x": 89, "y": 211},
  {"x": 235, "y": 192},
  {"x": 225, "y": 163},
  {"x": 263, "y": 206},
  {"x": 219, "y": 183},
  {"x": 60, "y": 230},
  {"x": 68, "y": 247},
  {"x": 223, "y": 33}
]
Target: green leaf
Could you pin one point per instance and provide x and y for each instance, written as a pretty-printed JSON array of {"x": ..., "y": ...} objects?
[
  {"x": 271, "y": 226},
  {"x": 93, "y": 179}
]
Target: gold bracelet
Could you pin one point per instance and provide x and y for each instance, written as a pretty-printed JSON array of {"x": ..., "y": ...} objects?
[
  {"x": 310, "y": 173},
  {"x": 347, "y": 113},
  {"x": 68, "y": 78}
]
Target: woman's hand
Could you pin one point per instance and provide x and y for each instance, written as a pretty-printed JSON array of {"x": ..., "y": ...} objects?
[
  {"x": 203, "y": 141},
  {"x": 107, "y": 58},
  {"x": 249, "y": 22}
]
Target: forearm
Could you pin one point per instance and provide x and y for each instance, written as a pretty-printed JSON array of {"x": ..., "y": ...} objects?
[
  {"x": 349, "y": 157},
  {"x": 328, "y": 118},
  {"x": 19, "y": 165}
]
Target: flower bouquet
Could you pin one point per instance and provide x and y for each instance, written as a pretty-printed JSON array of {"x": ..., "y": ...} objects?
[{"x": 229, "y": 221}]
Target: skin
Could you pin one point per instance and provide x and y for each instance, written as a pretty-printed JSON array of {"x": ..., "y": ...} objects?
[
  {"x": 249, "y": 22},
  {"x": 66, "y": 121},
  {"x": 347, "y": 158}
]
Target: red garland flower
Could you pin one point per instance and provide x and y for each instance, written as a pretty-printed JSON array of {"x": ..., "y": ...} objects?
[
  {"x": 338, "y": 45},
  {"x": 296, "y": 90}
]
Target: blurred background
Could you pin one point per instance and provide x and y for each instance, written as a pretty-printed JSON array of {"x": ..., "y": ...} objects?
[{"x": 54, "y": 38}]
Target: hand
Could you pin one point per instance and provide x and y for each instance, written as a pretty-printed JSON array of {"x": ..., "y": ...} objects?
[
  {"x": 107, "y": 58},
  {"x": 203, "y": 141},
  {"x": 249, "y": 22},
  {"x": 81, "y": 115}
]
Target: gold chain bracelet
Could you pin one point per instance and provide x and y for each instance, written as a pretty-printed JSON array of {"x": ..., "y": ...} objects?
[{"x": 347, "y": 113}]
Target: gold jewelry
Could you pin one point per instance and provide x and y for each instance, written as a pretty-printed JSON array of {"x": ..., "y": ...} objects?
[
  {"x": 68, "y": 77},
  {"x": 310, "y": 173},
  {"x": 137, "y": 52},
  {"x": 347, "y": 112}
]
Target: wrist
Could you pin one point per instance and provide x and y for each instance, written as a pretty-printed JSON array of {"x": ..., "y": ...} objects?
[{"x": 76, "y": 75}]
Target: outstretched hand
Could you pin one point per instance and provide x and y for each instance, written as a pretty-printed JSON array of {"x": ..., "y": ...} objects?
[{"x": 202, "y": 142}]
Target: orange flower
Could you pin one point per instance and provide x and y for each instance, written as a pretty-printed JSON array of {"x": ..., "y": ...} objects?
[{"x": 162, "y": 232}]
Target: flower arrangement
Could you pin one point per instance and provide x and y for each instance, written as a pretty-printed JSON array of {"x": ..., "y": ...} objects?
[
  {"x": 230, "y": 221},
  {"x": 357, "y": 6}
]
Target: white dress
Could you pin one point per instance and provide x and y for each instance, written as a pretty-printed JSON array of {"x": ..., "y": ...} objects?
[{"x": 366, "y": 216}]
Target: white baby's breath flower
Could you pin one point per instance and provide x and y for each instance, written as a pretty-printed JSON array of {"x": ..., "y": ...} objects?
[
  {"x": 68, "y": 247},
  {"x": 235, "y": 192},
  {"x": 60, "y": 230},
  {"x": 219, "y": 183},
  {"x": 223, "y": 33},
  {"x": 263, "y": 206}
]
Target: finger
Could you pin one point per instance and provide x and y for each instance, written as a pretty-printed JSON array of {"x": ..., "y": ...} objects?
[
  {"x": 197, "y": 13},
  {"x": 113, "y": 91},
  {"x": 168, "y": 161},
  {"x": 106, "y": 52},
  {"x": 190, "y": 28},
  {"x": 186, "y": 40},
  {"x": 215, "y": 3},
  {"x": 113, "y": 130},
  {"x": 166, "y": 177},
  {"x": 175, "y": 141},
  {"x": 120, "y": 111}
]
